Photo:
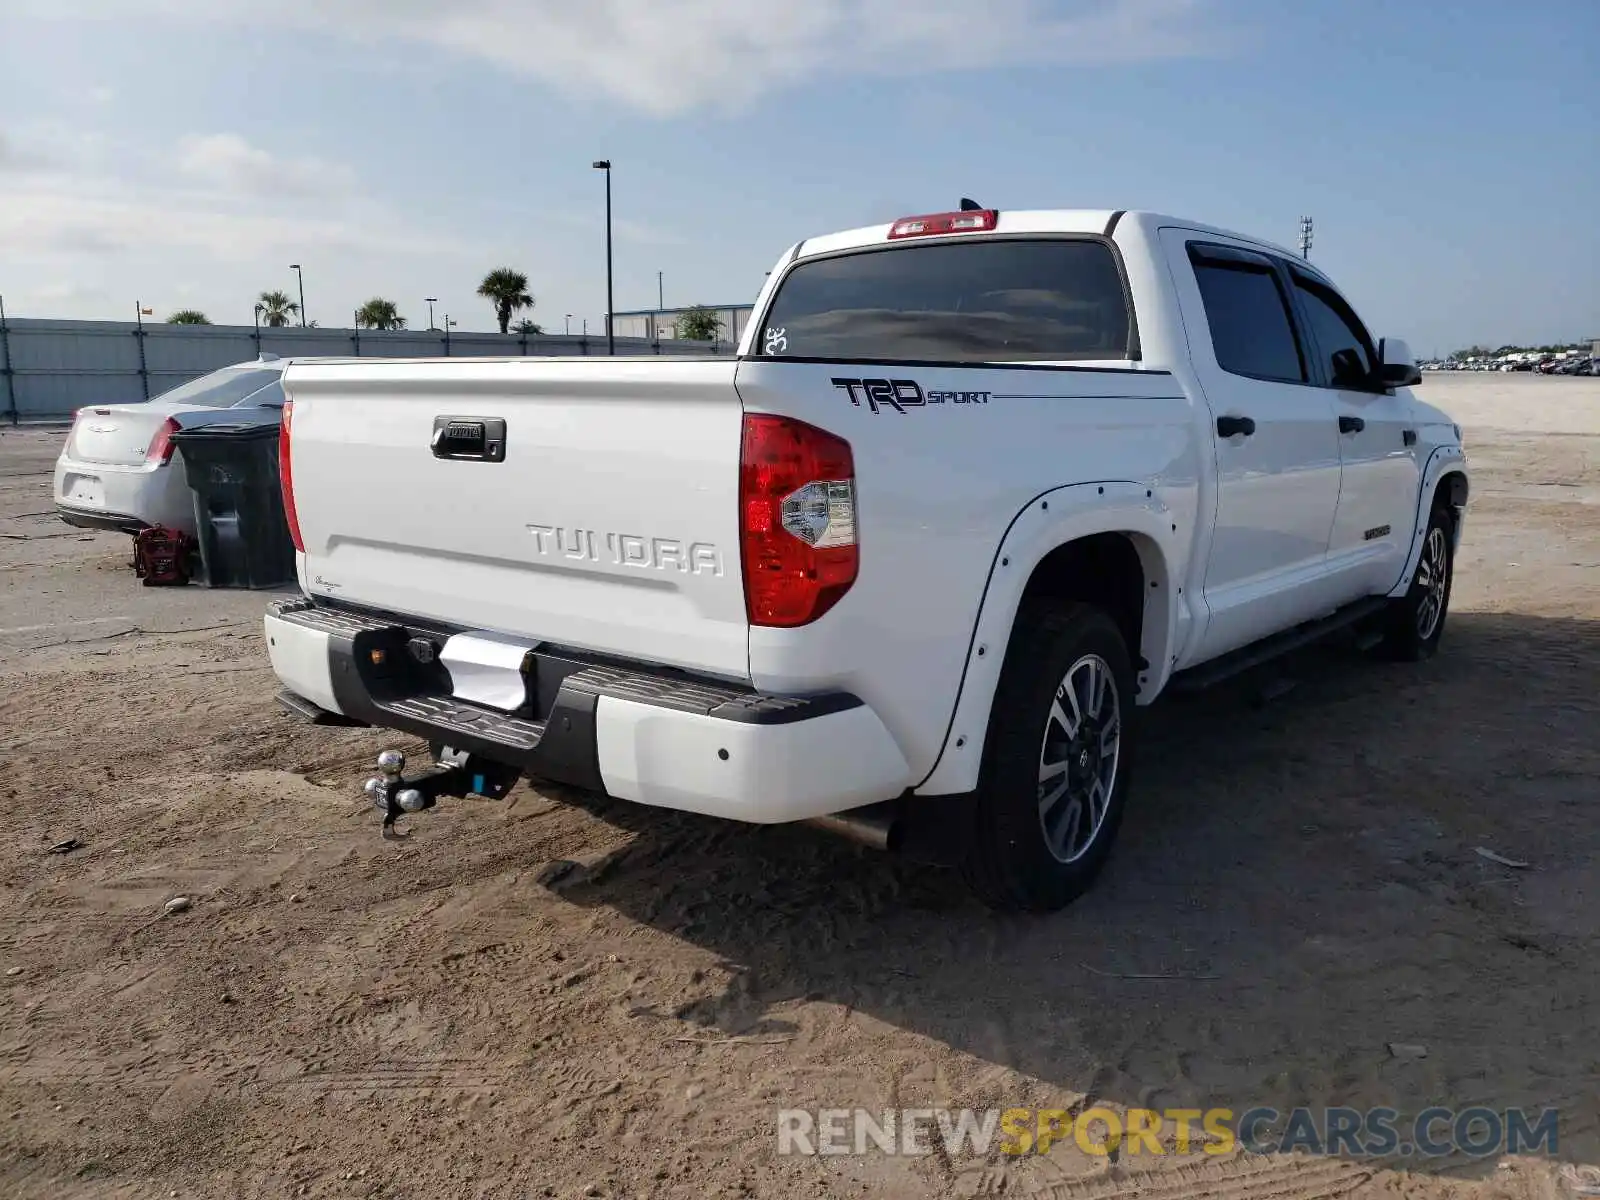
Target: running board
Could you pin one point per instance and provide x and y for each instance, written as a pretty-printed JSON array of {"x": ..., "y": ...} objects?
[{"x": 1233, "y": 663}]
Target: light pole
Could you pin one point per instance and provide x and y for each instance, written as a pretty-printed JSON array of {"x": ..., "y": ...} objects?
[
  {"x": 661, "y": 301},
  {"x": 604, "y": 164},
  {"x": 568, "y": 329},
  {"x": 432, "y": 300},
  {"x": 301, "y": 276},
  {"x": 144, "y": 369},
  {"x": 6, "y": 372}
]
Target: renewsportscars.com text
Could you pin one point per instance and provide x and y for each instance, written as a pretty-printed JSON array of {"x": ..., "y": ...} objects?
[{"x": 1343, "y": 1132}]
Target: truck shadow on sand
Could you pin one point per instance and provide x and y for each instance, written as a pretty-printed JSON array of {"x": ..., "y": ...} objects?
[{"x": 1297, "y": 886}]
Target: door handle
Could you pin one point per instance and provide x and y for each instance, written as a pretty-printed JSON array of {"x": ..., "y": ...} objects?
[
  {"x": 1228, "y": 426},
  {"x": 1409, "y": 437},
  {"x": 1351, "y": 424}
]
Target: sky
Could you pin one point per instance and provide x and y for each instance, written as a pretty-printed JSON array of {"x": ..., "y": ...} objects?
[{"x": 182, "y": 153}]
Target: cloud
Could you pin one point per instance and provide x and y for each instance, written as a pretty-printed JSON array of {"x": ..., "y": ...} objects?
[
  {"x": 624, "y": 229},
  {"x": 17, "y": 160},
  {"x": 224, "y": 197},
  {"x": 646, "y": 234},
  {"x": 227, "y": 162},
  {"x": 73, "y": 294},
  {"x": 668, "y": 57},
  {"x": 96, "y": 221},
  {"x": 74, "y": 240}
]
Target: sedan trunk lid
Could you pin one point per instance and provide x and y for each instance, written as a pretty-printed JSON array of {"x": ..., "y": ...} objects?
[{"x": 116, "y": 434}]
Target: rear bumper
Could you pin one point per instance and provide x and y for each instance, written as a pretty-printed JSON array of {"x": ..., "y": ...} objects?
[
  {"x": 628, "y": 730},
  {"x": 91, "y": 519},
  {"x": 124, "y": 498}
]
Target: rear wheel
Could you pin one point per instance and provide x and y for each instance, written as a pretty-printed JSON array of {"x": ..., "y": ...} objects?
[
  {"x": 1416, "y": 622},
  {"x": 1056, "y": 761}
]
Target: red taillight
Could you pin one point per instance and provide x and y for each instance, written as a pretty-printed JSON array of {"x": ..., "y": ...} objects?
[
  {"x": 72, "y": 434},
  {"x": 161, "y": 446},
  {"x": 797, "y": 520},
  {"x": 286, "y": 479},
  {"x": 976, "y": 220}
]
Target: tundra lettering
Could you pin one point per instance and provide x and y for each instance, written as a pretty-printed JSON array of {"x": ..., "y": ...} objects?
[{"x": 627, "y": 550}]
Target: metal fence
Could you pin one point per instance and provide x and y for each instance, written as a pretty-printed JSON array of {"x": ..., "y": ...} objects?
[{"x": 50, "y": 369}]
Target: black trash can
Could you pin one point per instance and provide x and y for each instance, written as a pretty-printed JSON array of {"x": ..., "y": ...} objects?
[{"x": 232, "y": 472}]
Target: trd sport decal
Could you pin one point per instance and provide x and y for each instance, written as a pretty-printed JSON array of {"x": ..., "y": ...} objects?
[{"x": 901, "y": 394}]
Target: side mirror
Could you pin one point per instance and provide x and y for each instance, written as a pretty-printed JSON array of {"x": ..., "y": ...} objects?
[{"x": 1397, "y": 366}]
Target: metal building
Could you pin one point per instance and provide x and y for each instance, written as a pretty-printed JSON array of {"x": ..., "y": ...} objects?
[{"x": 655, "y": 324}]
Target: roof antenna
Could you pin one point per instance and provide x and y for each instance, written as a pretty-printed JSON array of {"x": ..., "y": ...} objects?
[{"x": 970, "y": 205}]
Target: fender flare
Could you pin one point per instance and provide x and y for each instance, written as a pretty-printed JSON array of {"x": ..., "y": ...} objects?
[
  {"x": 1048, "y": 522},
  {"x": 1444, "y": 461}
]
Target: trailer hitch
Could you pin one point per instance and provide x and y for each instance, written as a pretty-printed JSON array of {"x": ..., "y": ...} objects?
[{"x": 456, "y": 773}]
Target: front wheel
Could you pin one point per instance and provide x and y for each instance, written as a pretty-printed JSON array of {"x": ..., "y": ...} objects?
[
  {"x": 1056, "y": 761},
  {"x": 1416, "y": 622}
]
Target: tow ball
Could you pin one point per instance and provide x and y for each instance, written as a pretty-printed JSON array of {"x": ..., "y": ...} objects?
[{"x": 454, "y": 774}]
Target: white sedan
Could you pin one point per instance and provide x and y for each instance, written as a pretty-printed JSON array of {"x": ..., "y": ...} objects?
[{"x": 115, "y": 472}]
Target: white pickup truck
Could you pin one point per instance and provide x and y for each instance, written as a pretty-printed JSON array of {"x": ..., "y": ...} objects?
[{"x": 976, "y": 484}]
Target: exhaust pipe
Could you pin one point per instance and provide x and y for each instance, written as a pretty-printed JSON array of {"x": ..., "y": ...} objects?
[{"x": 873, "y": 826}]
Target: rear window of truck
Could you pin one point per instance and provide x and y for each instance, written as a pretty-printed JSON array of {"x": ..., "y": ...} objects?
[{"x": 1000, "y": 300}]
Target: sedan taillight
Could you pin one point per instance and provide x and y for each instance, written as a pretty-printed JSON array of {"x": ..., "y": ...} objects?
[{"x": 161, "y": 446}]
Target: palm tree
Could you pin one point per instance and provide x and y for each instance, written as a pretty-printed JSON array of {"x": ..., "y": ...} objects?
[
  {"x": 507, "y": 290},
  {"x": 529, "y": 326},
  {"x": 277, "y": 308},
  {"x": 379, "y": 313},
  {"x": 188, "y": 316}
]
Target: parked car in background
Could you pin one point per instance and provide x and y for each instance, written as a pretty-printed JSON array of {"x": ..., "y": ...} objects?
[{"x": 114, "y": 471}]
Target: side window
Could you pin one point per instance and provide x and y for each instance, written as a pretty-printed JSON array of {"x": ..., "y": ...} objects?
[
  {"x": 1343, "y": 347},
  {"x": 1251, "y": 331}
]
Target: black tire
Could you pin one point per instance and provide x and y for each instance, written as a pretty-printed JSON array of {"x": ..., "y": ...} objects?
[
  {"x": 1414, "y": 628},
  {"x": 1010, "y": 862}
]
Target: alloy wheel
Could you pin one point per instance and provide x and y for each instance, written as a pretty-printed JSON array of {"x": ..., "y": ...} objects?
[
  {"x": 1078, "y": 758},
  {"x": 1433, "y": 573}
]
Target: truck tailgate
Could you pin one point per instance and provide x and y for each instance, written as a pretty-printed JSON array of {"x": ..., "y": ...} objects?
[{"x": 610, "y": 525}]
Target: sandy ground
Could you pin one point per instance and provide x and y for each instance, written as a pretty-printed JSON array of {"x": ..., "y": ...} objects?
[{"x": 560, "y": 996}]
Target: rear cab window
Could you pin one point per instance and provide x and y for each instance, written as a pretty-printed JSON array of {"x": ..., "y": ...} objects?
[{"x": 1035, "y": 299}]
